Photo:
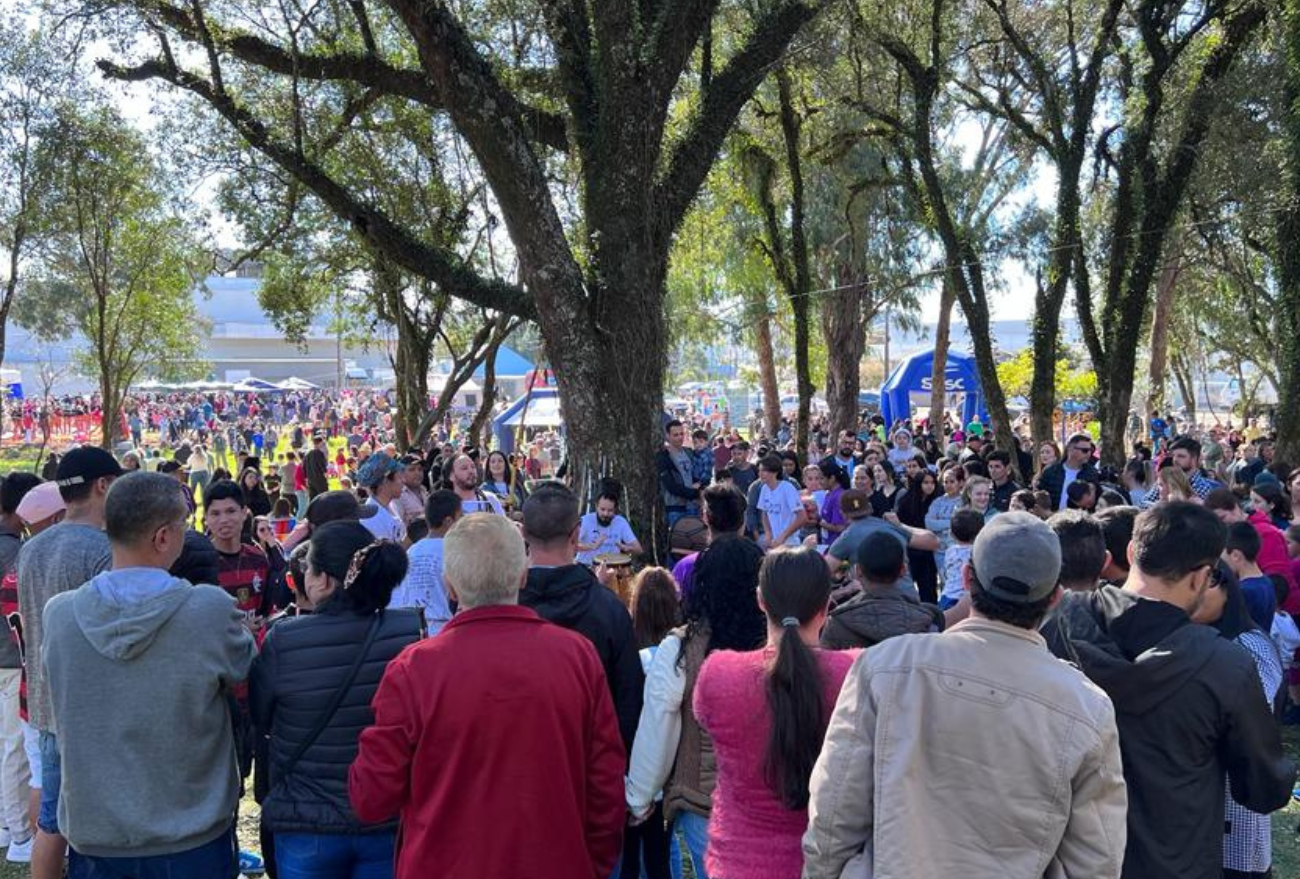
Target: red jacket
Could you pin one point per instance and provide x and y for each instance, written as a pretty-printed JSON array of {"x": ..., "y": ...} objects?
[
  {"x": 497, "y": 746},
  {"x": 1273, "y": 557}
]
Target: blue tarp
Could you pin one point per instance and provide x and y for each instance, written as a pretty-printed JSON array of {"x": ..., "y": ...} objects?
[
  {"x": 913, "y": 375},
  {"x": 543, "y": 405}
]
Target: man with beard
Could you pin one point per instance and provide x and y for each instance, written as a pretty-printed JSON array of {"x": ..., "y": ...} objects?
[
  {"x": 605, "y": 531},
  {"x": 843, "y": 457},
  {"x": 463, "y": 478}
]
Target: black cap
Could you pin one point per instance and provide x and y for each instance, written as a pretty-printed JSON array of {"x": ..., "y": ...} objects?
[
  {"x": 86, "y": 464},
  {"x": 337, "y": 506}
]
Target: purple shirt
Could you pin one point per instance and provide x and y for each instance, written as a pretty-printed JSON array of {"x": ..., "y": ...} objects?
[{"x": 684, "y": 574}]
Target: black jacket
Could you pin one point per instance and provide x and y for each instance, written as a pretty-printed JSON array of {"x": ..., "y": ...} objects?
[
  {"x": 199, "y": 561},
  {"x": 302, "y": 663},
  {"x": 871, "y": 617},
  {"x": 572, "y": 597},
  {"x": 1189, "y": 711},
  {"x": 316, "y": 472},
  {"x": 1052, "y": 480}
]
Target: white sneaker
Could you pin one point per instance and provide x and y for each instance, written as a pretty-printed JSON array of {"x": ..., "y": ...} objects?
[{"x": 20, "y": 852}]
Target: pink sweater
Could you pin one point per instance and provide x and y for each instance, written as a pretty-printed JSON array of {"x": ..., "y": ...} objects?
[{"x": 752, "y": 835}]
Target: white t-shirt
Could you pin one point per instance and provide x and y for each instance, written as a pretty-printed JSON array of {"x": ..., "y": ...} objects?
[
  {"x": 483, "y": 502},
  {"x": 383, "y": 524},
  {"x": 1070, "y": 476},
  {"x": 422, "y": 586},
  {"x": 782, "y": 504},
  {"x": 609, "y": 536}
]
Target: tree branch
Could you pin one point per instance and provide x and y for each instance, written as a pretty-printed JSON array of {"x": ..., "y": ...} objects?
[
  {"x": 364, "y": 69},
  {"x": 730, "y": 89},
  {"x": 371, "y": 225}
]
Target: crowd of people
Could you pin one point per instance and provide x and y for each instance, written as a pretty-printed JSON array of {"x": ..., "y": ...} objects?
[{"x": 893, "y": 658}]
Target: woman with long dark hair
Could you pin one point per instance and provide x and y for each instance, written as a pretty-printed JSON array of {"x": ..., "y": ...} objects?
[
  {"x": 766, "y": 711},
  {"x": 1248, "y": 840},
  {"x": 1276, "y": 504},
  {"x": 922, "y": 491},
  {"x": 671, "y": 752},
  {"x": 310, "y": 692},
  {"x": 504, "y": 481}
]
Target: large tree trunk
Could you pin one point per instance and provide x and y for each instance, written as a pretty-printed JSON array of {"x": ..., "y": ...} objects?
[
  {"x": 1049, "y": 300},
  {"x": 1160, "y": 328},
  {"x": 1287, "y": 244},
  {"x": 801, "y": 276},
  {"x": 763, "y": 353},
  {"x": 844, "y": 327},
  {"x": 939, "y": 368}
]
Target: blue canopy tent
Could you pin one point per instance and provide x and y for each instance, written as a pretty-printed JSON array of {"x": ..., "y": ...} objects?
[
  {"x": 543, "y": 411},
  {"x": 913, "y": 375}
]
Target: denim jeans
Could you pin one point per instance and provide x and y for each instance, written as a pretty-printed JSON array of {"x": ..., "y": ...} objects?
[
  {"x": 51, "y": 782},
  {"x": 694, "y": 830},
  {"x": 216, "y": 860},
  {"x": 334, "y": 856}
]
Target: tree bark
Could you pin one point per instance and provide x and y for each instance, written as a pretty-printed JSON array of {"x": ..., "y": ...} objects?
[
  {"x": 845, "y": 317},
  {"x": 939, "y": 368},
  {"x": 766, "y": 368},
  {"x": 1160, "y": 328},
  {"x": 800, "y": 306}
]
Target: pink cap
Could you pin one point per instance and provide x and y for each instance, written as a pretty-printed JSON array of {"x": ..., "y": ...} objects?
[{"x": 40, "y": 503}]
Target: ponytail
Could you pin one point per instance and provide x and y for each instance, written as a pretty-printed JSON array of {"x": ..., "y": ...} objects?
[
  {"x": 375, "y": 572},
  {"x": 795, "y": 585}
]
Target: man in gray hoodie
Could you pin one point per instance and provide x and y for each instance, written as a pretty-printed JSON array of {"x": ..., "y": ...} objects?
[{"x": 138, "y": 665}]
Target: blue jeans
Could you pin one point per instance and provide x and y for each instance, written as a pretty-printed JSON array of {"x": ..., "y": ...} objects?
[
  {"x": 216, "y": 860},
  {"x": 695, "y": 833},
  {"x": 51, "y": 782},
  {"x": 334, "y": 856}
]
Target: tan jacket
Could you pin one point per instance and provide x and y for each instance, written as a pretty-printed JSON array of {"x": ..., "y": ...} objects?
[{"x": 970, "y": 753}]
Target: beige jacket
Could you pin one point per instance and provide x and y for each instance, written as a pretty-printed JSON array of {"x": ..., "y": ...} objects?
[{"x": 970, "y": 753}]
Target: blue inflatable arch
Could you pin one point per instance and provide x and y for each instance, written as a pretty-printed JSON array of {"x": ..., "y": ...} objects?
[{"x": 913, "y": 376}]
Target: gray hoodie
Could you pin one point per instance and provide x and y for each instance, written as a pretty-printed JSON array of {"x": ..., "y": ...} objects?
[{"x": 139, "y": 667}]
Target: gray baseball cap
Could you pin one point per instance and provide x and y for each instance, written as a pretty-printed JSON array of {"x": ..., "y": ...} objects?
[{"x": 1017, "y": 558}]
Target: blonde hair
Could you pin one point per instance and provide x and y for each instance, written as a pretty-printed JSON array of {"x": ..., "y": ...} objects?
[
  {"x": 1173, "y": 479},
  {"x": 484, "y": 560},
  {"x": 972, "y": 483}
]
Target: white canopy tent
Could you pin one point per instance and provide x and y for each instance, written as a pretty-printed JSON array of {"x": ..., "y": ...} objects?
[{"x": 293, "y": 383}]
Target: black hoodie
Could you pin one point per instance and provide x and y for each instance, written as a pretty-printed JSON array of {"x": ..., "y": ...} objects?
[
  {"x": 1189, "y": 710},
  {"x": 572, "y": 597}
]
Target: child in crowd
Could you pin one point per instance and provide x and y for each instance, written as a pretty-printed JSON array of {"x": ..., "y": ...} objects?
[
  {"x": 282, "y": 518},
  {"x": 965, "y": 527}
]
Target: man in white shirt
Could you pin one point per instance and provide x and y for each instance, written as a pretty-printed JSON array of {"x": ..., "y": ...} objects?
[
  {"x": 605, "y": 531},
  {"x": 462, "y": 474},
  {"x": 379, "y": 476},
  {"x": 780, "y": 506},
  {"x": 422, "y": 586}
]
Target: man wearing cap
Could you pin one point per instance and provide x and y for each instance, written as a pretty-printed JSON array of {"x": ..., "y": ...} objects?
[
  {"x": 315, "y": 467},
  {"x": 55, "y": 561},
  {"x": 1018, "y": 771},
  {"x": 379, "y": 476},
  {"x": 855, "y": 504},
  {"x": 1189, "y": 703}
]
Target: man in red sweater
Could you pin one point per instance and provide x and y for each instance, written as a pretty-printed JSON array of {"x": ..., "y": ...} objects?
[{"x": 495, "y": 743}]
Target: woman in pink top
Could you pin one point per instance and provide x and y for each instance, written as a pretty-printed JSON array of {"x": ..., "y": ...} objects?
[{"x": 766, "y": 711}]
